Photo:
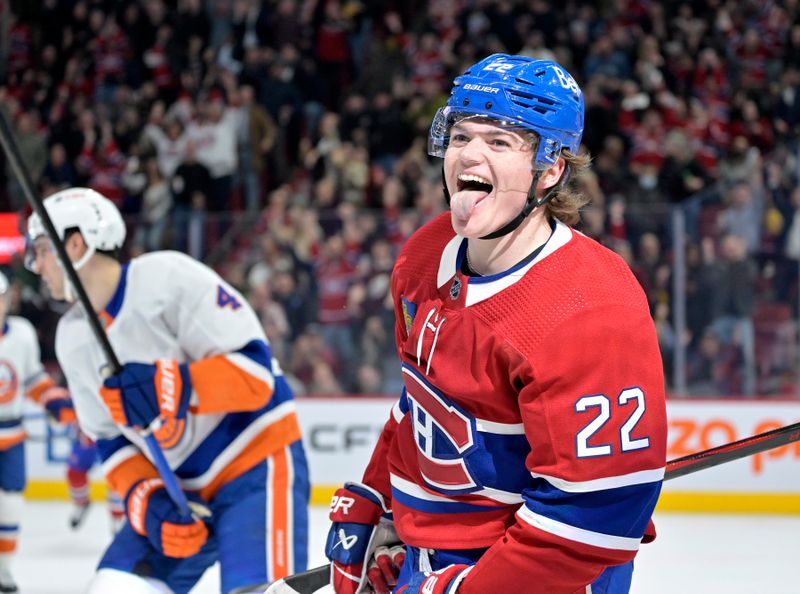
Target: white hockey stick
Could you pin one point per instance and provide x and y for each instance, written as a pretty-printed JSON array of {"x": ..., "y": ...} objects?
[{"x": 308, "y": 582}]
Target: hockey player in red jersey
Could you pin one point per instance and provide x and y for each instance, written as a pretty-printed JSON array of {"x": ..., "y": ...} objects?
[{"x": 527, "y": 450}]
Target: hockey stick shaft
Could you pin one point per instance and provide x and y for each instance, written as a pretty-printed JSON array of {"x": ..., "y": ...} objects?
[
  {"x": 23, "y": 177},
  {"x": 735, "y": 450},
  {"x": 310, "y": 581}
]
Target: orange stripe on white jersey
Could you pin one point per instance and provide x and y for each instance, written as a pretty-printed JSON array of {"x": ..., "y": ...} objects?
[
  {"x": 279, "y": 513},
  {"x": 8, "y": 545},
  {"x": 11, "y": 439},
  {"x": 126, "y": 467},
  {"x": 269, "y": 433},
  {"x": 36, "y": 391},
  {"x": 227, "y": 383}
]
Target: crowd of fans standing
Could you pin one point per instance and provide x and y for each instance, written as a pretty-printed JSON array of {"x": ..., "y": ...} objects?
[{"x": 309, "y": 119}]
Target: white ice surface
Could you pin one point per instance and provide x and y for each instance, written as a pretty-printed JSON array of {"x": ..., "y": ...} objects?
[{"x": 694, "y": 554}]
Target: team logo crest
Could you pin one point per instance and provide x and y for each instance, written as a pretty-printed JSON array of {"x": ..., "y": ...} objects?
[
  {"x": 9, "y": 382},
  {"x": 409, "y": 311}
]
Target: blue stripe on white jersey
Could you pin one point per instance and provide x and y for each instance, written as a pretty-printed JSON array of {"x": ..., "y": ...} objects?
[
  {"x": 108, "y": 447},
  {"x": 607, "y": 512}
]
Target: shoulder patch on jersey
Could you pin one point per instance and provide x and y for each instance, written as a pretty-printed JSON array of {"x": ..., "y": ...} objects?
[{"x": 409, "y": 311}]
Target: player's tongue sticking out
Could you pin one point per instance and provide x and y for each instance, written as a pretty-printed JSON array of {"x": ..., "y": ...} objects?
[{"x": 471, "y": 190}]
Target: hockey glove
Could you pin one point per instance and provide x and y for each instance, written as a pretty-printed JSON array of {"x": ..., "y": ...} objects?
[
  {"x": 142, "y": 392},
  {"x": 441, "y": 581},
  {"x": 384, "y": 568},
  {"x": 152, "y": 513},
  {"x": 58, "y": 406},
  {"x": 357, "y": 530}
]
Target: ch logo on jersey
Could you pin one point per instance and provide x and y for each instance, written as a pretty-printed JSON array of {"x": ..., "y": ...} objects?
[
  {"x": 9, "y": 382},
  {"x": 444, "y": 434}
]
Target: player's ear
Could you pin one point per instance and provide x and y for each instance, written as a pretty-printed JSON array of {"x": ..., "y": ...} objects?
[
  {"x": 76, "y": 246},
  {"x": 552, "y": 174}
]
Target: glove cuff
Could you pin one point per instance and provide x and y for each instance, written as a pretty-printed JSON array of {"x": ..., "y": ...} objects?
[
  {"x": 173, "y": 387},
  {"x": 355, "y": 506},
  {"x": 137, "y": 500}
]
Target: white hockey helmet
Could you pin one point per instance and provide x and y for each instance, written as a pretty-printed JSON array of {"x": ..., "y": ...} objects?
[{"x": 94, "y": 215}]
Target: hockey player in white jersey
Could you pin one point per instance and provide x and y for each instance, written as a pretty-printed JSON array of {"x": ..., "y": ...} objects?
[
  {"x": 194, "y": 357},
  {"x": 21, "y": 374}
]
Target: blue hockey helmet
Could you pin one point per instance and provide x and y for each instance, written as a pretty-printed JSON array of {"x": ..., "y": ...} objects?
[{"x": 517, "y": 91}]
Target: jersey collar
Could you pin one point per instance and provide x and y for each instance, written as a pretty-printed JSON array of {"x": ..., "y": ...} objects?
[
  {"x": 481, "y": 288},
  {"x": 115, "y": 304}
]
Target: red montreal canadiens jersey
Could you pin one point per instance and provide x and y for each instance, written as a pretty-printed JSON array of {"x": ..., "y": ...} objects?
[{"x": 533, "y": 418}]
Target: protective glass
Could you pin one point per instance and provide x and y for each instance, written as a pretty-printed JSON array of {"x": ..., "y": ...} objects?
[
  {"x": 440, "y": 136},
  {"x": 35, "y": 249}
]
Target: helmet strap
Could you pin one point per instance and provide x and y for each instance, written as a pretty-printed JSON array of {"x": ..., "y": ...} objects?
[
  {"x": 531, "y": 203},
  {"x": 70, "y": 294}
]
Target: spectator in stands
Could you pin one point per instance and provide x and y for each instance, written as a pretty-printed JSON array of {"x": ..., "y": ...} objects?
[
  {"x": 734, "y": 276},
  {"x": 190, "y": 184},
  {"x": 681, "y": 175},
  {"x": 155, "y": 209},
  {"x": 214, "y": 136},
  {"x": 334, "y": 274},
  {"x": 711, "y": 366},
  {"x": 32, "y": 150},
  {"x": 295, "y": 298},
  {"x": 59, "y": 172},
  {"x": 743, "y": 214},
  {"x": 167, "y": 135},
  {"x": 272, "y": 316},
  {"x": 256, "y": 135}
]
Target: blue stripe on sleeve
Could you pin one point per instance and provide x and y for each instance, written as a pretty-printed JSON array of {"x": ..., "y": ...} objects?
[
  {"x": 258, "y": 351},
  {"x": 618, "y": 512},
  {"x": 440, "y": 507}
]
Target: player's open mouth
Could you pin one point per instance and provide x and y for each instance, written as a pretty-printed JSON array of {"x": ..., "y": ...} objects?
[
  {"x": 474, "y": 183},
  {"x": 471, "y": 190}
]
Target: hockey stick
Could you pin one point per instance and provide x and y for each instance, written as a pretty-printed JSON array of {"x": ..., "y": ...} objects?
[
  {"x": 755, "y": 444},
  {"x": 312, "y": 580},
  {"x": 23, "y": 177}
]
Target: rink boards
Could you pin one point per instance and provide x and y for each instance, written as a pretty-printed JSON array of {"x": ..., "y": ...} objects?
[{"x": 339, "y": 434}]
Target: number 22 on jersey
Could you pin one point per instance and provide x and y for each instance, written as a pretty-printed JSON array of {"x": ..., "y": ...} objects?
[{"x": 629, "y": 399}]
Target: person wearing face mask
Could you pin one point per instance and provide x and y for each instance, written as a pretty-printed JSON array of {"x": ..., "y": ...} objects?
[{"x": 527, "y": 449}]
